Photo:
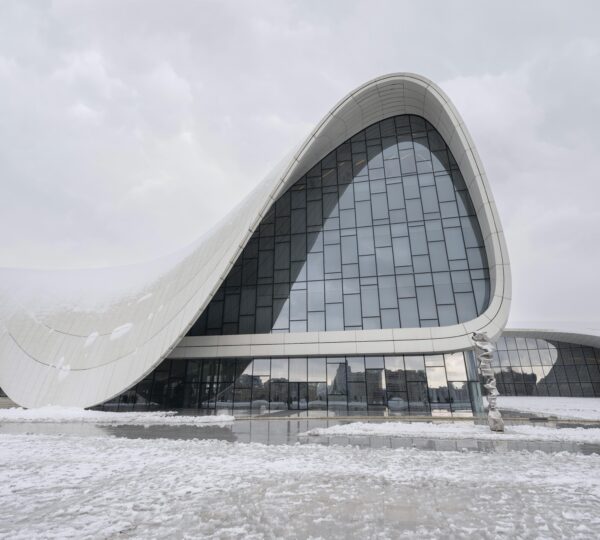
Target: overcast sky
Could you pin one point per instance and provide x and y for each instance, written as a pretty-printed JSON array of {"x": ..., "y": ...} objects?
[{"x": 128, "y": 128}]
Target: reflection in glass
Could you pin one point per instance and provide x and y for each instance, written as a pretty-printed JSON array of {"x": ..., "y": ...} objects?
[
  {"x": 396, "y": 384},
  {"x": 455, "y": 367},
  {"x": 376, "y": 387},
  {"x": 336, "y": 378},
  {"x": 459, "y": 396},
  {"x": 279, "y": 369},
  {"x": 298, "y": 370},
  {"x": 438, "y": 385},
  {"x": 389, "y": 203},
  {"x": 317, "y": 396},
  {"x": 316, "y": 369},
  {"x": 415, "y": 368},
  {"x": 535, "y": 366},
  {"x": 356, "y": 368}
]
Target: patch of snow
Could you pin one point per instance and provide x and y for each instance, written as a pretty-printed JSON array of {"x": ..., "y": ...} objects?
[
  {"x": 145, "y": 297},
  {"x": 72, "y": 414},
  {"x": 90, "y": 339},
  {"x": 104, "y": 487},
  {"x": 561, "y": 407},
  {"x": 63, "y": 370},
  {"x": 459, "y": 430},
  {"x": 120, "y": 331}
]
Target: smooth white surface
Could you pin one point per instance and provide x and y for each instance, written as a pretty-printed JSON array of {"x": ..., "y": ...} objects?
[
  {"x": 591, "y": 338},
  {"x": 48, "y": 356}
]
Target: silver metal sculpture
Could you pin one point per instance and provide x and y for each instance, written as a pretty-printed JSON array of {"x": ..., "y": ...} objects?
[{"x": 484, "y": 351}]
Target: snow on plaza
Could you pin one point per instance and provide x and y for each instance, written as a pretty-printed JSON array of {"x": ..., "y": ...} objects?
[
  {"x": 276, "y": 272},
  {"x": 69, "y": 473}
]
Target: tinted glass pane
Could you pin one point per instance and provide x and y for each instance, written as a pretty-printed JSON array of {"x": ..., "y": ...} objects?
[
  {"x": 317, "y": 369},
  {"x": 298, "y": 369},
  {"x": 455, "y": 367},
  {"x": 390, "y": 202}
]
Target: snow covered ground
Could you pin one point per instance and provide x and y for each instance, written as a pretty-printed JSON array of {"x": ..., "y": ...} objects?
[
  {"x": 75, "y": 415},
  {"x": 89, "y": 487},
  {"x": 449, "y": 430},
  {"x": 86, "y": 484},
  {"x": 561, "y": 407}
]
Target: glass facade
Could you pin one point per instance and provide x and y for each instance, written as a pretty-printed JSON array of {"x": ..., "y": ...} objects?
[
  {"x": 347, "y": 385},
  {"x": 379, "y": 234},
  {"x": 431, "y": 384},
  {"x": 526, "y": 366}
]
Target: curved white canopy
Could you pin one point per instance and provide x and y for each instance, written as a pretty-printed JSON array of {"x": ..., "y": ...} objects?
[
  {"x": 590, "y": 339},
  {"x": 80, "y": 338}
]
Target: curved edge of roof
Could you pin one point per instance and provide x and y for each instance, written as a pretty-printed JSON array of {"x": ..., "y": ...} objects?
[
  {"x": 588, "y": 339},
  {"x": 62, "y": 356}
]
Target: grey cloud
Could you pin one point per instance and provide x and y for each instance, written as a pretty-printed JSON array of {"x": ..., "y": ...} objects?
[{"x": 128, "y": 128}]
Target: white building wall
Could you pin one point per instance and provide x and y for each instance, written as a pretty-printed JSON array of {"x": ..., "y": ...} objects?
[{"x": 60, "y": 345}]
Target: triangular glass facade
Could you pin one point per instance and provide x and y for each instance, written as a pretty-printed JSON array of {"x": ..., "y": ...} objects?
[{"x": 380, "y": 234}]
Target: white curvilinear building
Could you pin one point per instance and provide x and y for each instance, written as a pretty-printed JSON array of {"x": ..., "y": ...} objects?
[{"x": 350, "y": 280}]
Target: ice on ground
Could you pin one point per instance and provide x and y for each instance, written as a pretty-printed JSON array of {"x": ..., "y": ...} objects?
[
  {"x": 74, "y": 415},
  {"x": 459, "y": 430},
  {"x": 561, "y": 407},
  {"x": 88, "y": 487}
]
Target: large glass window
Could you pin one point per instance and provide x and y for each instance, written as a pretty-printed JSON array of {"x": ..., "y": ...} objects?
[
  {"x": 380, "y": 234},
  {"x": 539, "y": 367},
  {"x": 436, "y": 384}
]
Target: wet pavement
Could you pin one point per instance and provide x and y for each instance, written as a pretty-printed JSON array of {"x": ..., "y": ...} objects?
[{"x": 289, "y": 431}]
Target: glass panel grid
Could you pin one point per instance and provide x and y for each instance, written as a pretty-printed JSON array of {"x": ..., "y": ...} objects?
[
  {"x": 345, "y": 385},
  {"x": 389, "y": 209},
  {"x": 538, "y": 367}
]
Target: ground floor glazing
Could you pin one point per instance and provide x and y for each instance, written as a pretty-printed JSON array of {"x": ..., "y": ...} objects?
[{"x": 440, "y": 384}]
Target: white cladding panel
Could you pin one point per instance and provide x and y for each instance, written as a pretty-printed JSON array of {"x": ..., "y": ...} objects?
[{"x": 57, "y": 349}]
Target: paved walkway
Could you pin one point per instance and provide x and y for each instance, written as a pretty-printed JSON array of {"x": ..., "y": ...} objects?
[{"x": 285, "y": 430}]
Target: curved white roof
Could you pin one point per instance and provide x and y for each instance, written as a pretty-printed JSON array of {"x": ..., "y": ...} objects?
[
  {"x": 591, "y": 338},
  {"x": 80, "y": 338}
]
